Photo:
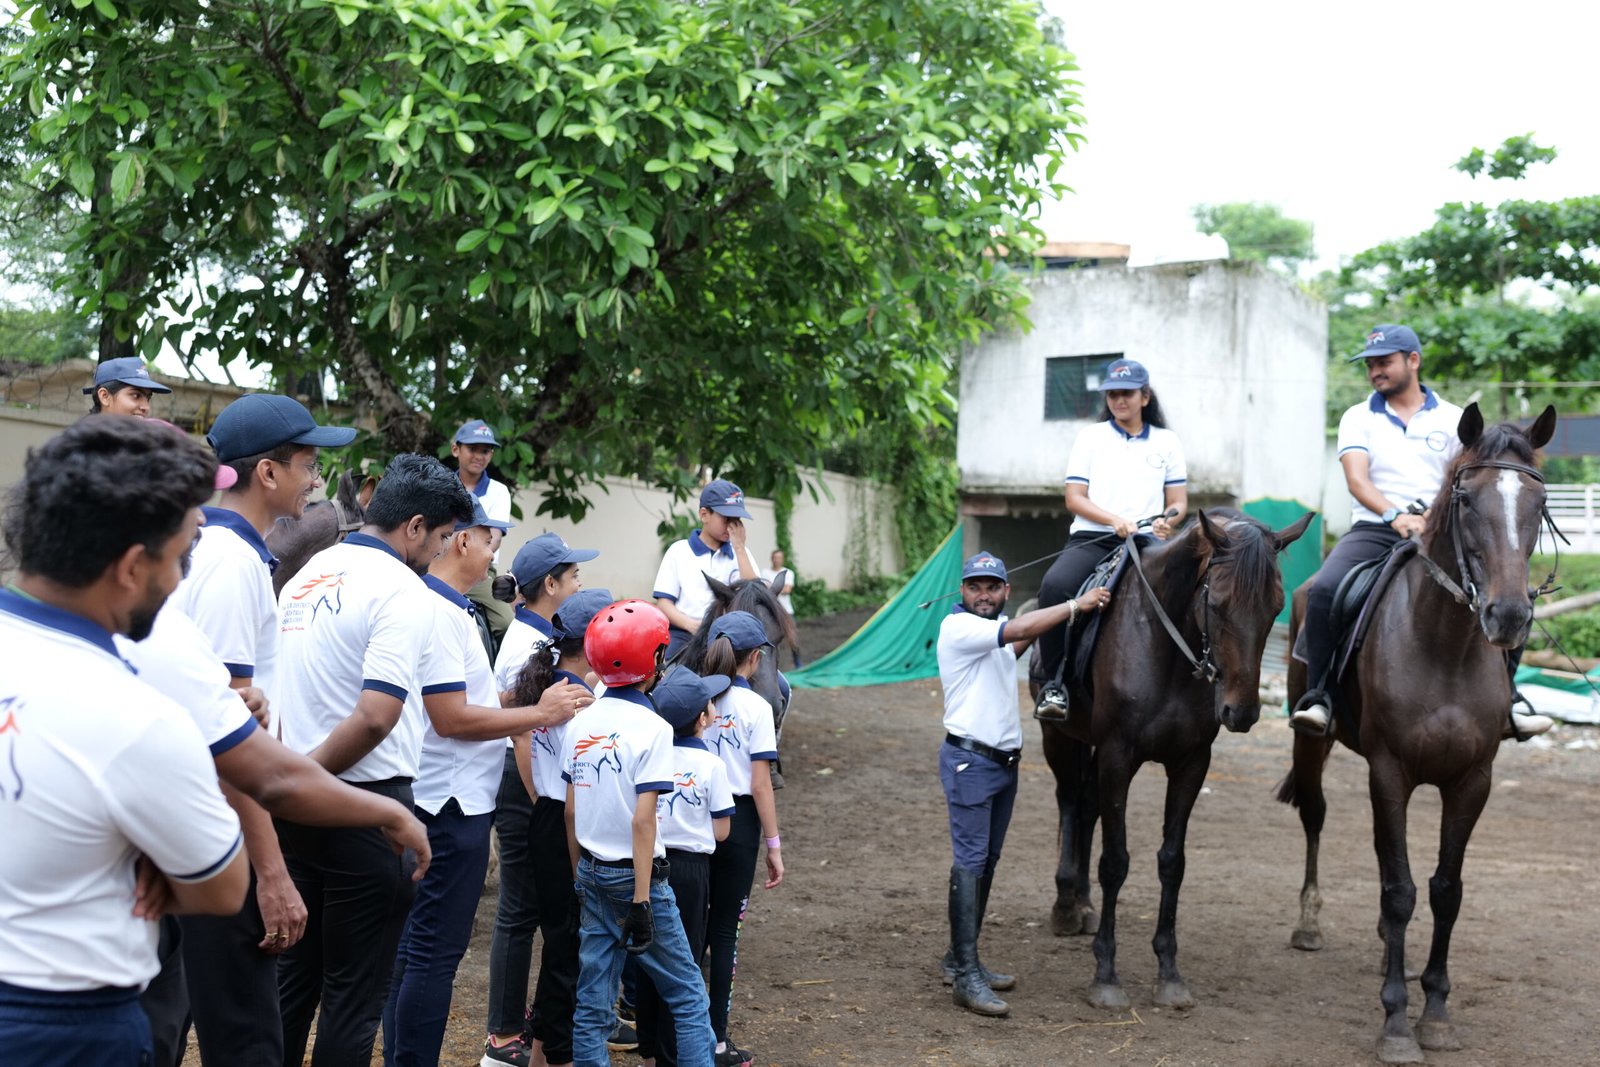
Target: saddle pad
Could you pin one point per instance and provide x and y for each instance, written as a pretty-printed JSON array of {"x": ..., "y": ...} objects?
[
  {"x": 1350, "y": 642},
  {"x": 1081, "y": 638}
]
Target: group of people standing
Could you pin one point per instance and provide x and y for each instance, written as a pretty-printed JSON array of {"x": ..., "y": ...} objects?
[
  {"x": 246, "y": 812},
  {"x": 1127, "y": 474}
]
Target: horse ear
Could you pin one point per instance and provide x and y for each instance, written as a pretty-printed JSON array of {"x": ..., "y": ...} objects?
[
  {"x": 1543, "y": 428},
  {"x": 1287, "y": 536},
  {"x": 779, "y": 580},
  {"x": 1470, "y": 428},
  {"x": 1208, "y": 528},
  {"x": 368, "y": 487},
  {"x": 722, "y": 591}
]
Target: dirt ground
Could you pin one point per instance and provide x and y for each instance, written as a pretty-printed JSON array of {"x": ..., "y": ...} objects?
[{"x": 838, "y": 965}]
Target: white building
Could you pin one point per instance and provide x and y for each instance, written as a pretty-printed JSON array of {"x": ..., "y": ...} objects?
[{"x": 1236, "y": 354}]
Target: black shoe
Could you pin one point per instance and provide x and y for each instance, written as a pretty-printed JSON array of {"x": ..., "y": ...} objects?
[
  {"x": 1002, "y": 982},
  {"x": 734, "y": 1056},
  {"x": 1313, "y": 715},
  {"x": 623, "y": 1039},
  {"x": 511, "y": 1054},
  {"x": 1053, "y": 703}
]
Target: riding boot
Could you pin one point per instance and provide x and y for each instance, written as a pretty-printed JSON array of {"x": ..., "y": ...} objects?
[
  {"x": 970, "y": 990},
  {"x": 1314, "y": 712},
  {"x": 948, "y": 964}
]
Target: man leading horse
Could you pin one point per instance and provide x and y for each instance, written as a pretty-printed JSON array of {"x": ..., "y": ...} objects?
[{"x": 1394, "y": 447}]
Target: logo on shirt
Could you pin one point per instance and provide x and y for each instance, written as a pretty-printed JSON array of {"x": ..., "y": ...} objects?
[
  {"x": 541, "y": 738},
  {"x": 1438, "y": 440},
  {"x": 597, "y": 751},
  {"x": 727, "y": 733},
  {"x": 10, "y": 734},
  {"x": 683, "y": 788},
  {"x": 325, "y": 592}
]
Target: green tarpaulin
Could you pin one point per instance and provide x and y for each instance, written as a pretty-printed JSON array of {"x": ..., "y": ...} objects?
[{"x": 897, "y": 643}]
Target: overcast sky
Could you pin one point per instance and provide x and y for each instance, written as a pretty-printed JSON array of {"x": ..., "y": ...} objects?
[{"x": 1348, "y": 115}]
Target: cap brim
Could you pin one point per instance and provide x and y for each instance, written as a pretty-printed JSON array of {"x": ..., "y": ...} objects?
[
  {"x": 716, "y": 685},
  {"x": 227, "y": 477},
  {"x": 325, "y": 437},
  {"x": 138, "y": 383},
  {"x": 984, "y": 574},
  {"x": 1106, "y": 387},
  {"x": 496, "y": 524},
  {"x": 1369, "y": 354},
  {"x": 580, "y": 555},
  {"x": 731, "y": 511}
]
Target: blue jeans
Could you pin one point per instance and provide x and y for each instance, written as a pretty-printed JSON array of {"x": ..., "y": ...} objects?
[
  {"x": 436, "y": 936},
  {"x": 607, "y": 893},
  {"x": 980, "y": 795},
  {"x": 100, "y": 1026}
]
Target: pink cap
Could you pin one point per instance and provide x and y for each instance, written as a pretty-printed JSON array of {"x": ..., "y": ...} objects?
[{"x": 227, "y": 477}]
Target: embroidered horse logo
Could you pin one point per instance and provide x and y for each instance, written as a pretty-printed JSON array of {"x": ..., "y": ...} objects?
[
  {"x": 683, "y": 788},
  {"x": 10, "y": 733},
  {"x": 328, "y": 590},
  {"x": 597, "y": 750},
  {"x": 727, "y": 733},
  {"x": 541, "y": 738}
]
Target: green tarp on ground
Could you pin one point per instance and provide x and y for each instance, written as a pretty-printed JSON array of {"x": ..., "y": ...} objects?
[
  {"x": 897, "y": 643},
  {"x": 1301, "y": 559}
]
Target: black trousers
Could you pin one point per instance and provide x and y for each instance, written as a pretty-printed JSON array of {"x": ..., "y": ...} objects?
[
  {"x": 516, "y": 915},
  {"x": 555, "y": 994},
  {"x": 233, "y": 987},
  {"x": 1366, "y": 540},
  {"x": 165, "y": 1000},
  {"x": 1085, "y": 551},
  {"x": 733, "y": 868},
  {"x": 690, "y": 880},
  {"x": 357, "y": 894}
]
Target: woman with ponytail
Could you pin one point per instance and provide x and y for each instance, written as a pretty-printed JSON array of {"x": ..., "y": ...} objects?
[{"x": 744, "y": 739}]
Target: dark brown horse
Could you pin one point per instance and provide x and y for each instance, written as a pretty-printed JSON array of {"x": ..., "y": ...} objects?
[
  {"x": 759, "y": 598},
  {"x": 1217, "y": 582},
  {"x": 1427, "y": 698},
  {"x": 324, "y": 523}
]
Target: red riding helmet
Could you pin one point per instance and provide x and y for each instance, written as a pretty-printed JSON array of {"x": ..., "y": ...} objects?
[{"x": 622, "y": 641}]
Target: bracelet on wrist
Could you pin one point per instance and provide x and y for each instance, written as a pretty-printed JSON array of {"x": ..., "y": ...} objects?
[{"x": 775, "y": 842}]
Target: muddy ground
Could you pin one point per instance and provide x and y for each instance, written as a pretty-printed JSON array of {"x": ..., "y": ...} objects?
[{"x": 838, "y": 965}]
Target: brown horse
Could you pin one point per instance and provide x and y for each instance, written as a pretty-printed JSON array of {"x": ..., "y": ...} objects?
[
  {"x": 324, "y": 523},
  {"x": 1217, "y": 583},
  {"x": 1427, "y": 699}
]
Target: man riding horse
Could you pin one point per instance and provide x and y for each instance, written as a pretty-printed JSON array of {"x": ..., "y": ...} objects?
[{"x": 1394, "y": 447}]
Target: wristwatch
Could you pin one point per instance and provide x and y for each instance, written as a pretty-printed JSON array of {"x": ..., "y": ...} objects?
[{"x": 1390, "y": 515}]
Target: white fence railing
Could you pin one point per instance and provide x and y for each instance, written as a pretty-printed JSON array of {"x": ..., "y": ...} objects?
[{"x": 1576, "y": 509}]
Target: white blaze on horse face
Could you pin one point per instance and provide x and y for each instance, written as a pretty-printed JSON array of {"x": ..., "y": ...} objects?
[{"x": 1510, "y": 490}]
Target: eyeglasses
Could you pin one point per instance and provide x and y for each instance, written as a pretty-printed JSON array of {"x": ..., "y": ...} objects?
[{"x": 316, "y": 470}]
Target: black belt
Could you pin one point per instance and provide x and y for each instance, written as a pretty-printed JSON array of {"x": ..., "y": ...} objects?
[
  {"x": 1004, "y": 757},
  {"x": 658, "y": 868}
]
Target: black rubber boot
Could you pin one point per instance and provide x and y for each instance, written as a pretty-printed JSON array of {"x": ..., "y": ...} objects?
[{"x": 970, "y": 991}]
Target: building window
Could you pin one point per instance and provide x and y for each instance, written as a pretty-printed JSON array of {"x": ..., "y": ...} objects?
[{"x": 1071, "y": 386}]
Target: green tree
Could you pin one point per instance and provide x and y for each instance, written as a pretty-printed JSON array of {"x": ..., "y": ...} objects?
[
  {"x": 1465, "y": 282},
  {"x": 639, "y": 236},
  {"x": 1257, "y": 232}
]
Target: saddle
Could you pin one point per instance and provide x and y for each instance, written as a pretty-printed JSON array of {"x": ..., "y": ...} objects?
[
  {"x": 1081, "y": 639},
  {"x": 1354, "y": 600}
]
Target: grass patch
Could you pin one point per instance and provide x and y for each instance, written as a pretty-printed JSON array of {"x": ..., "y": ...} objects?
[{"x": 1579, "y": 632}]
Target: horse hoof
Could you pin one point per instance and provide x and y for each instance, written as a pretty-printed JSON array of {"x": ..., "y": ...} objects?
[
  {"x": 1437, "y": 1035},
  {"x": 1393, "y": 1049},
  {"x": 1089, "y": 920},
  {"x": 1065, "y": 922},
  {"x": 1174, "y": 995},
  {"x": 1108, "y": 997},
  {"x": 1306, "y": 940}
]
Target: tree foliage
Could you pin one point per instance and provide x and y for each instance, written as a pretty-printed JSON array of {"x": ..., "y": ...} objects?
[
  {"x": 1257, "y": 232},
  {"x": 638, "y": 236}
]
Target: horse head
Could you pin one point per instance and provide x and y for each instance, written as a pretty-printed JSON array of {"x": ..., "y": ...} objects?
[
  {"x": 1484, "y": 525},
  {"x": 759, "y": 598},
  {"x": 1240, "y": 595}
]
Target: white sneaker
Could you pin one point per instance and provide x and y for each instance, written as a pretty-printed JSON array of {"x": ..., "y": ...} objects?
[
  {"x": 1522, "y": 726},
  {"x": 1311, "y": 720}
]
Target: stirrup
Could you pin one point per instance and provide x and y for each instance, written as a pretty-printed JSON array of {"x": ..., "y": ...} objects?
[
  {"x": 1053, "y": 703},
  {"x": 1303, "y": 719}
]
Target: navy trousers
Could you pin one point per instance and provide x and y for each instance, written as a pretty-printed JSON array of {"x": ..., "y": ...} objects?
[{"x": 105, "y": 1027}]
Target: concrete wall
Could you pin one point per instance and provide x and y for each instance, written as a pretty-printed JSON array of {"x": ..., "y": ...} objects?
[
  {"x": 847, "y": 529},
  {"x": 1235, "y": 353}
]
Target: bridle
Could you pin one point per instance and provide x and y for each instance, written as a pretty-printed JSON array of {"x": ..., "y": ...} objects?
[
  {"x": 1204, "y": 665},
  {"x": 1468, "y": 597}
]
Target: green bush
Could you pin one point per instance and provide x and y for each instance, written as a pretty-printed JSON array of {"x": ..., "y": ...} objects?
[{"x": 1579, "y": 632}]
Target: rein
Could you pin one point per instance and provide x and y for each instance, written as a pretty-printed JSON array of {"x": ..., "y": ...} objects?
[
  {"x": 348, "y": 523},
  {"x": 1204, "y": 666},
  {"x": 1468, "y": 596}
]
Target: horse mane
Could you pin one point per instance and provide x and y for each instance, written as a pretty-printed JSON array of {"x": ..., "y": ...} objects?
[
  {"x": 1494, "y": 443},
  {"x": 749, "y": 594},
  {"x": 1246, "y": 545}
]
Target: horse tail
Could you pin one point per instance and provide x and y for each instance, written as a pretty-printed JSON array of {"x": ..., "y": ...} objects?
[{"x": 1287, "y": 794}]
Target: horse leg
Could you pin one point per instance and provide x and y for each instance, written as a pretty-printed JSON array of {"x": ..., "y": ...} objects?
[
  {"x": 1073, "y": 763},
  {"x": 1305, "y": 791},
  {"x": 1463, "y": 803},
  {"x": 1115, "y": 773},
  {"x": 1183, "y": 787},
  {"x": 1088, "y": 816},
  {"x": 1390, "y": 795}
]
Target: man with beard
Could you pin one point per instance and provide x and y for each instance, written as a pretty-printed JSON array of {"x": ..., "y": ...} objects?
[
  {"x": 97, "y": 845},
  {"x": 355, "y": 638},
  {"x": 1395, "y": 447},
  {"x": 977, "y": 649}
]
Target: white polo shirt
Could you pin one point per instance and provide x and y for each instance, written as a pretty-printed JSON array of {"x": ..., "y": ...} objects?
[
  {"x": 228, "y": 593},
  {"x": 547, "y": 746},
  {"x": 618, "y": 748},
  {"x": 741, "y": 733},
  {"x": 1406, "y": 461},
  {"x": 978, "y": 670},
  {"x": 786, "y": 599},
  {"x": 96, "y": 767},
  {"x": 179, "y": 662},
  {"x": 496, "y": 500},
  {"x": 681, "y": 578},
  {"x": 470, "y": 771},
  {"x": 699, "y": 794},
  {"x": 354, "y": 618},
  {"x": 1126, "y": 475},
  {"x": 528, "y": 630}
]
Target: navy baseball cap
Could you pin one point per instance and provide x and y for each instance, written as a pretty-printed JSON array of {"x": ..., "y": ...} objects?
[
  {"x": 578, "y": 610},
  {"x": 1124, "y": 374},
  {"x": 724, "y": 498},
  {"x": 543, "y": 554},
  {"x": 984, "y": 565},
  {"x": 260, "y": 422},
  {"x": 1388, "y": 338},
  {"x": 682, "y": 695},
  {"x": 129, "y": 370},
  {"x": 481, "y": 518},
  {"x": 742, "y": 629},
  {"x": 476, "y": 432}
]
